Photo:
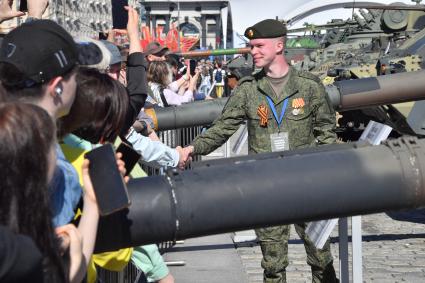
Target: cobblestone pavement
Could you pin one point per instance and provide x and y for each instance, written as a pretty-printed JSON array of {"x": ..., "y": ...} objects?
[{"x": 393, "y": 251}]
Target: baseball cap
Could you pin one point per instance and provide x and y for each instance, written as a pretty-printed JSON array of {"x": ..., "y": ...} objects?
[
  {"x": 106, "y": 55},
  {"x": 115, "y": 52},
  {"x": 42, "y": 50},
  {"x": 156, "y": 49}
]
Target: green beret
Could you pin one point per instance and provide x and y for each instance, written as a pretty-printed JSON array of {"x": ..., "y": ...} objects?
[{"x": 266, "y": 29}]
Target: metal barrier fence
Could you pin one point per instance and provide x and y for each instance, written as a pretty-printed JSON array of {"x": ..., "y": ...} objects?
[
  {"x": 172, "y": 138},
  {"x": 130, "y": 274}
]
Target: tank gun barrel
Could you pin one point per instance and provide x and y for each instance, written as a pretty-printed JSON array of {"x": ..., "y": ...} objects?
[
  {"x": 344, "y": 95},
  {"x": 215, "y": 52},
  {"x": 197, "y": 113},
  {"x": 381, "y": 90},
  {"x": 400, "y": 7},
  {"x": 258, "y": 193}
]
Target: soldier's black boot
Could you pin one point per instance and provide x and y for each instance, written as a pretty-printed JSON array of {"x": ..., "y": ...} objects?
[
  {"x": 274, "y": 277},
  {"x": 326, "y": 275}
]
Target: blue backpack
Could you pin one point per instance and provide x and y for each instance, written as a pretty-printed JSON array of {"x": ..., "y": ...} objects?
[{"x": 218, "y": 76}]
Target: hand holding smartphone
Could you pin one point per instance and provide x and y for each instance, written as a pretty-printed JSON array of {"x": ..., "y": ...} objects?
[
  {"x": 129, "y": 155},
  {"x": 108, "y": 184}
]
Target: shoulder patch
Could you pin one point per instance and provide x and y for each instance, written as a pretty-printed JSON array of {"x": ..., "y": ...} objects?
[{"x": 309, "y": 75}]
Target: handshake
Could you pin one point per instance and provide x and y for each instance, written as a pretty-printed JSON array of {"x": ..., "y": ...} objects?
[{"x": 185, "y": 156}]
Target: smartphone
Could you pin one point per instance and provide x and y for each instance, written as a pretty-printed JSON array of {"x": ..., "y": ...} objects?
[
  {"x": 23, "y": 7},
  {"x": 192, "y": 67},
  {"x": 119, "y": 14},
  {"x": 129, "y": 155},
  {"x": 108, "y": 184}
]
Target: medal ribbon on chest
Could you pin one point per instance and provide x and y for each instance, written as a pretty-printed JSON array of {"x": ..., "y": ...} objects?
[
  {"x": 297, "y": 105},
  {"x": 263, "y": 112}
]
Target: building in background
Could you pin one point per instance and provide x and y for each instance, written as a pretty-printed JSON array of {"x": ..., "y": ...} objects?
[
  {"x": 181, "y": 25},
  {"x": 80, "y": 18},
  {"x": 208, "y": 21}
]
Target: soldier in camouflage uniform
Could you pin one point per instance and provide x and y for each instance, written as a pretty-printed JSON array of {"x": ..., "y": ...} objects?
[{"x": 285, "y": 109}]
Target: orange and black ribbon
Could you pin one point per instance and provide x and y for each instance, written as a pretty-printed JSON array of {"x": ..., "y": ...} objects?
[
  {"x": 298, "y": 103},
  {"x": 263, "y": 112}
]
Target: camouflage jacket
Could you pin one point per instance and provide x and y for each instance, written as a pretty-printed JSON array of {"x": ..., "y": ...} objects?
[{"x": 313, "y": 124}]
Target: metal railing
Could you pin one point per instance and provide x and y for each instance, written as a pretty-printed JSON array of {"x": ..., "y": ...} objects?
[{"x": 172, "y": 138}]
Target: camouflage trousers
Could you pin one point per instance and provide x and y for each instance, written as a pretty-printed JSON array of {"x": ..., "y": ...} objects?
[{"x": 274, "y": 246}]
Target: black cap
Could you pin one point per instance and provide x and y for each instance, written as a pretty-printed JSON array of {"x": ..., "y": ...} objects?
[
  {"x": 266, "y": 29},
  {"x": 42, "y": 50}
]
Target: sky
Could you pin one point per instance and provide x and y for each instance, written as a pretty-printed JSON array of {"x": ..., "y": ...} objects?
[{"x": 246, "y": 13}]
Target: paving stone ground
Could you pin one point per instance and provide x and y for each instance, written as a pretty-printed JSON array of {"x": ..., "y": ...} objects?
[
  {"x": 393, "y": 251},
  {"x": 393, "y": 247}
]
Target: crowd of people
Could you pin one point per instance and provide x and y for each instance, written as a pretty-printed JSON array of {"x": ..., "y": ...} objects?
[
  {"x": 173, "y": 80},
  {"x": 59, "y": 94},
  {"x": 63, "y": 96}
]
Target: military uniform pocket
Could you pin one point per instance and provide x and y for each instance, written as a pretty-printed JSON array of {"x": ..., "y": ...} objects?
[{"x": 300, "y": 127}]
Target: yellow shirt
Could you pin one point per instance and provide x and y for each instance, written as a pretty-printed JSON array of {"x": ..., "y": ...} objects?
[{"x": 113, "y": 261}]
